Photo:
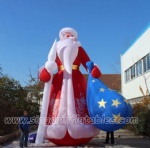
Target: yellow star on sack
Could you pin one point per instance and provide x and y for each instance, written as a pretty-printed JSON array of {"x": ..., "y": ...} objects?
[
  {"x": 117, "y": 118},
  {"x": 102, "y": 103},
  {"x": 115, "y": 103},
  {"x": 125, "y": 100},
  {"x": 102, "y": 89}
]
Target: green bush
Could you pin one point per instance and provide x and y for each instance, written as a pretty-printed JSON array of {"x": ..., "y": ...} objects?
[
  {"x": 143, "y": 114},
  {"x": 143, "y": 127}
]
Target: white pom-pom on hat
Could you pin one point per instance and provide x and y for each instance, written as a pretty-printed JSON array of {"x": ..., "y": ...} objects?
[{"x": 70, "y": 30}]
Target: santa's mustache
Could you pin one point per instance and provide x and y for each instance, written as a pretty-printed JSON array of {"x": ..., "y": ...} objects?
[{"x": 67, "y": 51}]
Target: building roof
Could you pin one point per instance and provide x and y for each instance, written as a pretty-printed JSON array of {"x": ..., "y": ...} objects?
[{"x": 113, "y": 81}]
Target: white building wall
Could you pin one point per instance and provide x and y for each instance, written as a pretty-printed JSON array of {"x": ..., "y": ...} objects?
[{"x": 137, "y": 51}]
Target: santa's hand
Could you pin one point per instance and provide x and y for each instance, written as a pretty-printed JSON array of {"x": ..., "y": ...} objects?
[
  {"x": 96, "y": 72},
  {"x": 44, "y": 75}
]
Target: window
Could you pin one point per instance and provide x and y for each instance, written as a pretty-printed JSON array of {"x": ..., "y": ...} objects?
[
  {"x": 128, "y": 74},
  {"x": 145, "y": 65},
  {"x": 148, "y": 62},
  {"x": 132, "y": 71},
  {"x": 139, "y": 68}
]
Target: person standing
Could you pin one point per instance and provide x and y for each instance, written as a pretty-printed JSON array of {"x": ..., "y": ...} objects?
[
  {"x": 112, "y": 137},
  {"x": 24, "y": 126}
]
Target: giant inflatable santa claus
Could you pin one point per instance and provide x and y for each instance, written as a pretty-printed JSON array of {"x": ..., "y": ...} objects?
[{"x": 68, "y": 121}]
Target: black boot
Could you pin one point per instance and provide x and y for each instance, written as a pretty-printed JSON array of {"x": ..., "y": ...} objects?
[
  {"x": 112, "y": 137},
  {"x": 107, "y": 138}
]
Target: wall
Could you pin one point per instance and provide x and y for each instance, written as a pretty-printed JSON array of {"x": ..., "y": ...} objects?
[{"x": 138, "y": 50}]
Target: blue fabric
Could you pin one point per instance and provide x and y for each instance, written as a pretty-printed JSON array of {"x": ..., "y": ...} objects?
[
  {"x": 109, "y": 111},
  {"x": 32, "y": 138},
  {"x": 24, "y": 123}
]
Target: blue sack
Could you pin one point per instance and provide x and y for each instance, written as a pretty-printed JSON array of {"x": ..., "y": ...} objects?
[
  {"x": 108, "y": 110},
  {"x": 32, "y": 138}
]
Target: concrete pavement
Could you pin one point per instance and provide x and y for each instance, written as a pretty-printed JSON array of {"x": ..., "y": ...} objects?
[{"x": 123, "y": 139}]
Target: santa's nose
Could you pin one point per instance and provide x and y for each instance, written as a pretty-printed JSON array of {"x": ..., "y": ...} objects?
[{"x": 68, "y": 35}]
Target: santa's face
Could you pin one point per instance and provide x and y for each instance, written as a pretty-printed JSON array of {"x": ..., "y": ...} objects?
[
  {"x": 67, "y": 50},
  {"x": 65, "y": 35}
]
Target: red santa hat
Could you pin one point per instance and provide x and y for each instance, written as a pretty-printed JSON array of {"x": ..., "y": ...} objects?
[{"x": 68, "y": 29}]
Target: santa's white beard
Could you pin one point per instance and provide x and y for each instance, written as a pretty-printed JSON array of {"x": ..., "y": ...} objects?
[{"x": 67, "y": 51}]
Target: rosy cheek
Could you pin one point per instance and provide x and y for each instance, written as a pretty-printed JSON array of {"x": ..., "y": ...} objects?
[{"x": 61, "y": 38}]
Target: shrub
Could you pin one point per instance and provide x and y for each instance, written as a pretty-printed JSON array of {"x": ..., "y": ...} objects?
[{"x": 142, "y": 112}]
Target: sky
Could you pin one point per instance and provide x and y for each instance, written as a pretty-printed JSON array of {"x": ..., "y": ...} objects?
[{"x": 106, "y": 29}]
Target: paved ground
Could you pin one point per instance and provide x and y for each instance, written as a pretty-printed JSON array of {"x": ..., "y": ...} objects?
[{"x": 123, "y": 139}]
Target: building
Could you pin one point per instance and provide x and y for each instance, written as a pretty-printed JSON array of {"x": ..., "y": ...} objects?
[{"x": 135, "y": 68}]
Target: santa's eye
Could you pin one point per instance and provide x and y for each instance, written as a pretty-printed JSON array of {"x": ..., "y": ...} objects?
[
  {"x": 72, "y": 35},
  {"x": 63, "y": 34}
]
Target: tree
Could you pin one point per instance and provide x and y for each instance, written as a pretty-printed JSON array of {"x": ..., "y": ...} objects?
[
  {"x": 13, "y": 101},
  {"x": 10, "y": 89},
  {"x": 1, "y": 71},
  {"x": 34, "y": 89},
  {"x": 10, "y": 92}
]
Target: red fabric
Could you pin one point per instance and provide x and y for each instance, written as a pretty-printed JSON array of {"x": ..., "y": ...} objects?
[
  {"x": 96, "y": 72},
  {"x": 79, "y": 87},
  {"x": 81, "y": 58},
  {"x": 44, "y": 75},
  {"x": 67, "y": 140}
]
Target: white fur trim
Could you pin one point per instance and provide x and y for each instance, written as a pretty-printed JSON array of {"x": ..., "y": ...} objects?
[
  {"x": 96, "y": 66},
  {"x": 50, "y": 66},
  {"x": 68, "y": 29}
]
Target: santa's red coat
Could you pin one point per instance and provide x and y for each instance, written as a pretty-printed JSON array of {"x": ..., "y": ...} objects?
[{"x": 79, "y": 91}]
